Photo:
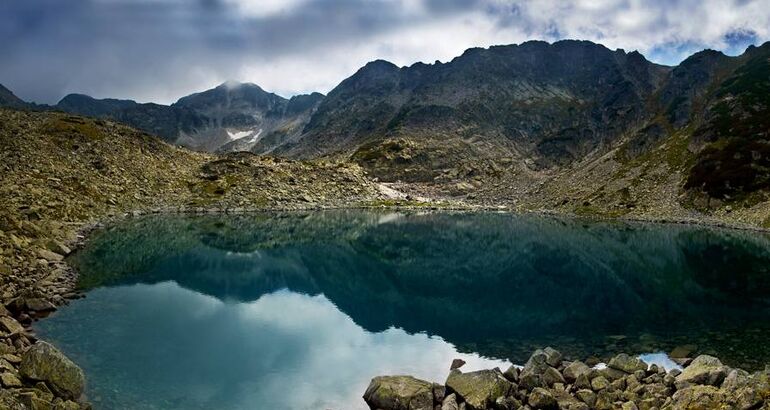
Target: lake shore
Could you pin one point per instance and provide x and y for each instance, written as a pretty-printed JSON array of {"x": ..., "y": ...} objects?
[
  {"x": 57, "y": 284},
  {"x": 548, "y": 381},
  {"x": 66, "y": 175}
]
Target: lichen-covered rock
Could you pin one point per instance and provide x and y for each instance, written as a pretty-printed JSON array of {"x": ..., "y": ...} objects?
[
  {"x": 481, "y": 388},
  {"x": 626, "y": 363},
  {"x": 574, "y": 370},
  {"x": 599, "y": 383},
  {"x": 538, "y": 373},
  {"x": 704, "y": 369},
  {"x": 587, "y": 396},
  {"x": 698, "y": 398},
  {"x": 44, "y": 362},
  {"x": 399, "y": 393},
  {"x": 541, "y": 398}
]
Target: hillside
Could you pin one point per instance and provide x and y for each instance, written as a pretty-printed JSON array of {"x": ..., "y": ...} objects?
[
  {"x": 60, "y": 171},
  {"x": 569, "y": 127}
]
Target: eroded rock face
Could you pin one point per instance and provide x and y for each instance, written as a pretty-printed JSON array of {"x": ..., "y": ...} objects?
[
  {"x": 481, "y": 388},
  {"x": 43, "y": 362}
]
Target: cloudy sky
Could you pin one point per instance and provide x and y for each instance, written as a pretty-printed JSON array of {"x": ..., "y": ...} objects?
[{"x": 159, "y": 50}]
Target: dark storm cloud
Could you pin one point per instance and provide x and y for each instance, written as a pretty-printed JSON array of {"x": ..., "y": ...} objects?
[{"x": 162, "y": 49}]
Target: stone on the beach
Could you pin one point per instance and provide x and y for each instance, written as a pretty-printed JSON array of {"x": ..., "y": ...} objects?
[
  {"x": 626, "y": 363},
  {"x": 44, "y": 362},
  {"x": 553, "y": 356},
  {"x": 50, "y": 256},
  {"x": 536, "y": 368},
  {"x": 599, "y": 383},
  {"x": 479, "y": 389},
  {"x": 10, "y": 380},
  {"x": 541, "y": 398},
  {"x": 704, "y": 369},
  {"x": 11, "y": 325},
  {"x": 512, "y": 374},
  {"x": 587, "y": 396},
  {"x": 399, "y": 393},
  {"x": 450, "y": 403},
  {"x": 698, "y": 397},
  {"x": 574, "y": 370}
]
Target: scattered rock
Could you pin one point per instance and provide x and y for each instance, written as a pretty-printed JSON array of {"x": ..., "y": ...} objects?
[
  {"x": 574, "y": 370},
  {"x": 479, "y": 389},
  {"x": 704, "y": 369},
  {"x": 626, "y": 363},
  {"x": 399, "y": 393},
  {"x": 599, "y": 383},
  {"x": 44, "y": 362},
  {"x": 541, "y": 398},
  {"x": 11, "y": 325}
]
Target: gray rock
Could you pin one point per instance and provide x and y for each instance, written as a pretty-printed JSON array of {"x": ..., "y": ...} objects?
[
  {"x": 599, "y": 383},
  {"x": 399, "y": 393},
  {"x": 626, "y": 363},
  {"x": 587, "y": 396},
  {"x": 456, "y": 364},
  {"x": 541, "y": 398},
  {"x": 44, "y": 362},
  {"x": 574, "y": 370},
  {"x": 479, "y": 389},
  {"x": 512, "y": 374},
  {"x": 450, "y": 403},
  {"x": 553, "y": 356},
  {"x": 704, "y": 369}
]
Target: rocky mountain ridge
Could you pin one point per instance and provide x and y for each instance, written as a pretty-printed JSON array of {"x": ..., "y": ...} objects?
[
  {"x": 570, "y": 126},
  {"x": 231, "y": 117}
]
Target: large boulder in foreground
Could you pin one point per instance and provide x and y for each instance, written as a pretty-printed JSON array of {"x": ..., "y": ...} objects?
[
  {"x": 399, "y": 393},
  {"x": 43, "y": 362},
  {"x": 479, "y": 389},
  {"x": 704, "y": 369}
]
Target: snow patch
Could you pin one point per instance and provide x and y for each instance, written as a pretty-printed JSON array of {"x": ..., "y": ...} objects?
[{"x": 239, "y": 134}]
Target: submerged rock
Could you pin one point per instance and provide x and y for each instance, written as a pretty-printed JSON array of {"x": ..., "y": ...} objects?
[
  {"x": 43, "y": 362},
  {"x": 481, "y": 388}
]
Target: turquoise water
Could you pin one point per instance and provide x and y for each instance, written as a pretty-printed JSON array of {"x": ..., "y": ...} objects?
[{"x": 300, "y": 310}]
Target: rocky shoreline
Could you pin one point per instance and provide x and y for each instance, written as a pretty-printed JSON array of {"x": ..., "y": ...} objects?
[{"x": 548, "y": 381}]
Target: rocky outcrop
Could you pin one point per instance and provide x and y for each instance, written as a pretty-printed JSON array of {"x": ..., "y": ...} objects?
[{"x": 628, "y": 384}]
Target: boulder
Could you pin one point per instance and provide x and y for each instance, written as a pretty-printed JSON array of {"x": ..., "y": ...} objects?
[
  {"x": 43, "y": 362},
  {"x": 11, "y": 325},
  {"x": 50, "y": 256},
  {"x": 456, "y": 364},
  {"x": 541, "y": 398},
  {"x": 626, "y": 363},
  {"x": 512, "y": 374},
  {"x": 574, "y": 370},
  {"x": 704, "y": 369},
  {"x": 587, "y": 396},
  {"x": 537, "y": 368},
  {"x": 479, "y": 389},
  {"x": 553, "y": 357},
  {"x": 697, "y": 398},
  {"x": 599, "y": 383},
  {"x": 450, "y": 403}
]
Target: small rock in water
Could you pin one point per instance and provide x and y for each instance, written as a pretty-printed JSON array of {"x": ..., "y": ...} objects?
[{"x": 456, "y": 364}]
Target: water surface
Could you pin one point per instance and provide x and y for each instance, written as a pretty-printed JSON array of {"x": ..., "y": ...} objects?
[{"x": 300, "y": 310}]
